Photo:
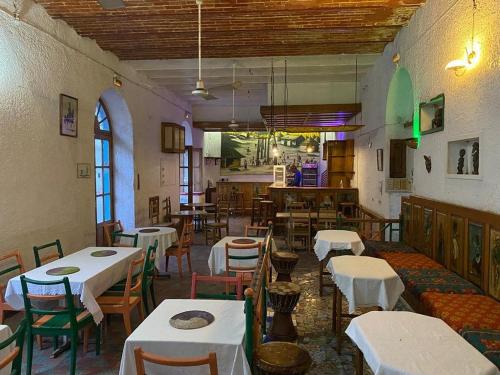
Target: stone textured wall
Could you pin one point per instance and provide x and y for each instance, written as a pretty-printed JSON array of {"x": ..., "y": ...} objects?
[
  {"x": 40, "y": 197},
  {"x": 438, "y": 33}
]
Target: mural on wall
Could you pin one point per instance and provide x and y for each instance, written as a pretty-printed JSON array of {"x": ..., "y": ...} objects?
[
  {"x": 475, "y": 260},
  {"x": 495, "y": 263},
  {"x": 251, "y": 152}
]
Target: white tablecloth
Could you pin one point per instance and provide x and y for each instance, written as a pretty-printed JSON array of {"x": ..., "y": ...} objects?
[
  {"x": 366, "y": 281},
  {"x": 405, "y": 343},
  {"x": 96, "y": 275},
  {"x": 217, "y": 258},
  {"x": 224, "y": 337},
  {"x": 327, "y": 240},
  {"x": 166, "y": 237},
  {"x": 5, "y": 333}
]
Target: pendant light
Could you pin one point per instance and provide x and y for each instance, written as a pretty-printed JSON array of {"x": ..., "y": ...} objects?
[{"x": 233, "y": 124}]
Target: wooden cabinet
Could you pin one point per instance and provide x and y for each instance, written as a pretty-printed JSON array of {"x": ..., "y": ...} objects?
[
  {"x": 340, "y": 157},
  {"x": 172, "y": 138}
]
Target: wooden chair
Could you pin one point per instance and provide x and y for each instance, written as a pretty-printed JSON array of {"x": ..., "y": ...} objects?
[
  {"x": 221, "y": 222},
  {"x": 108, "y": 230},
  {"x": 296, "y": 206},
  {"x": 142, "y": 356},
  {"x": 327, "y": 219},
  {"x": 246, "y": 272},
  {"x": 227, "y": 280},
  {"x": 11, "y": 262},
  {"x": 299, "y": 226},
  {"x": 63, "y": 321},
  {"x": 254, "y": 230},
  {"x": 39, "y": 260},
  {"x": 154, "y": 210},
  {"x": 182, "y": 247},
  {"x": 15, "y": 356},
  {"x": 131, "y": 297},
  {"x": 167, "y": 208},
  {"x": 118, "y": 235}
]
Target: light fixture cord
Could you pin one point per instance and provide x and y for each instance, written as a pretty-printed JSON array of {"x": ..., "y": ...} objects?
[
  {"x": 272, "y": 94},
  {"x": 234, "y": 78},
  {"x": 286, "y": 94},
  {"x": 356, "y": 87},
  {"x": 199, "y": 41},
  {"x": 474, "y": 8}
]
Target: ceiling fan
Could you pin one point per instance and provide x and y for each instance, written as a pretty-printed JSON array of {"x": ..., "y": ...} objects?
[
  {"x": 112, "y": 4},
  {"x": 200, "y": 89},
  {"x": 233, "y": 124}
]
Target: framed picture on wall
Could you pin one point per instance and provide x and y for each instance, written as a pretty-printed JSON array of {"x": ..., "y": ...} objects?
[
  {"x": 68, "y": 116},
  {"x": 380, "y": 159}
]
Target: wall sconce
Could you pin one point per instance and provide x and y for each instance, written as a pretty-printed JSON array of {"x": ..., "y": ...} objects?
[
  {"x": 460, "y": 66},
  {"x": 117, "y": 81},
  {"x": 187, "y": 115}
]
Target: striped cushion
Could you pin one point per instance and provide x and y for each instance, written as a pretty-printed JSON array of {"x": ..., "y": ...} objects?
[
  {"x": 60, "y": 321},
  {"x": 408, "y": 260},
  {"x": 464, "y": 311}
]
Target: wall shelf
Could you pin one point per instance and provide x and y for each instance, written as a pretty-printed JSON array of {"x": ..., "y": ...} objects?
[{"x": 464, "y": 155}]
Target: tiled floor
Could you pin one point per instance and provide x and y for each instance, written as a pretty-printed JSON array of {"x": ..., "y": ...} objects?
[{"x": 313, "y": 318}]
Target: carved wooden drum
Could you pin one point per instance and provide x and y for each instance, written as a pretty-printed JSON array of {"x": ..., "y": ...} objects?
[
  {"x": 284, "y": 263},
  {"x": 283, "y": 297}
]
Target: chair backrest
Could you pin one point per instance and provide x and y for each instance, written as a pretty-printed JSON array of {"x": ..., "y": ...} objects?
[
  {"x": 133, "y": 275},
  {"x": 39, "y": 260},
  {"x": 296, "y": 205},
  {"x": 327, "y": 219},
  {"x": 167, "y": 208},
  {"x": 232, "y": 248},
  {"x": 118, "y": 235},
  {"x": 149, "y": 262},
  {"x": 142, "y": 356},
  {"x": 254, "y": 230},
  {"x": 227, "y": 280},
  {"x": 154, "y": 210},
  {"x": 9, "y": 262},
  {"x": 67, "y": 310},
  {"x": 108, "y": 229},
  {"x": 187, "y": 235},
  {"x": 300, "y": 217},
  {"x": 16, "y": 355}
]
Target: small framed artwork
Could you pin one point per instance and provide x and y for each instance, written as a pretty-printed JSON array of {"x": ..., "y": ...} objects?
[
  {"x": 83, "y": 170},
  {"x": 68, "y": 116},
  {"x": 494, "y": 284},
  {"x": 475, "y": 258},
  {"x": 380, "y": 159},
  {"x": 457, "y": 235}
]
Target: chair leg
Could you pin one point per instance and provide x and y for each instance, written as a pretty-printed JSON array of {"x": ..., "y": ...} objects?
[
  {"x": 2, "y": 313},
  {"x": 86, "y": 332},
  {"x": 29, "y": 360},
  {"x": 145, "y": 300},
  {"x": 166, "y": 263},
  {"x": 98, "y": 339},
  {"x": 189, "y": 262},
  {"x": 152, "y": 291},
  {"x": 74, "y": 347},
  {"x": 140, "y": 311},
  {"x": 179, "y": 265},
  {"x": 127, "y": 323}
]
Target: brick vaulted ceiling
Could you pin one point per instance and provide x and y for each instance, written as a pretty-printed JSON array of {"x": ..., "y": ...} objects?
[{"x": 167, "y": 29}]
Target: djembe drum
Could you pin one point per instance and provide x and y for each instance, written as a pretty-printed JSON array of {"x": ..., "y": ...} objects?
[
  {"x": 284, "y": 263},
  {"x": 283, "y": 297},
  {"x": 283, "y": 358}
]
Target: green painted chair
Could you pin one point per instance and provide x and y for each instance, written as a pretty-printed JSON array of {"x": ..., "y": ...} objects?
[
  {"x": 147, "y": 279},
  {"x": 39, "y": 260},
  {"x": 118, "y": 235},
  {"x": 16, "y": 355},
  {"x": 66, "y": 321}
]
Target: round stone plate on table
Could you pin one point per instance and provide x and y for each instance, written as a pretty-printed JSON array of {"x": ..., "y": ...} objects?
[
  {"x": 192, "y": 319},
  {"x": 149, "y": 230},
  {"x": 243, "y": 241},
  {"x": 103, "y": 253},
  {"x": 61, "y": 271}
]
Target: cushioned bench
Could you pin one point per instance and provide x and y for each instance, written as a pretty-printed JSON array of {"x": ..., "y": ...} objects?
[
  {"x": 421, "y": 280},
  {"x": 486, "y": 341},
  {"x": 409, "y": 260},
  {"x": 374, "y": 247}
]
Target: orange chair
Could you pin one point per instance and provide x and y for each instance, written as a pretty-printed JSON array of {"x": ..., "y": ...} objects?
[
  {"x": 108, "y": 229},
  {"x": 246, "y": 272},
  {"x": 182, "y": 247},
  {"x": 12, "y": 261},
  {"x": 254, "y": 230},
  {"x": 227, "y": 280},
  {"x": 142, "y": 356},
  {"x": 124, "y": 304}
]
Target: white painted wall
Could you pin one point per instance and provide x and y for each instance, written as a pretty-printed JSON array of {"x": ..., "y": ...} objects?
[
  {"x": 438, "y": 33},
  {"x": 40, "y": 196}
]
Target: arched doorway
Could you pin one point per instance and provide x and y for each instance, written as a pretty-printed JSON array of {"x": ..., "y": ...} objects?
[{"x": 103, "y": 165}]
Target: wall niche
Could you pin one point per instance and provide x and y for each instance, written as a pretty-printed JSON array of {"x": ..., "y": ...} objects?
[{"x": 464, "y": 158}]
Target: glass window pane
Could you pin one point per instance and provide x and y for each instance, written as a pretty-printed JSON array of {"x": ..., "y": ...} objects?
[
  {"x": 105, "y": 152},
  {"x": 99, "y": 210},
  {"x": 98, "y": 181},
  {"x": 104, "y": 125},
  {"x": 98, "y": 152},
  {"x": 106, "y": 181},
  {"x": 101, "y": 115},
  {"x": 97, "y": 107},
  {"x": 107, "y": 207}
]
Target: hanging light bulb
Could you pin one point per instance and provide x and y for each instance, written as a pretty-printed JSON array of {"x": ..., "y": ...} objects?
[{"x": 275, "y": 149}]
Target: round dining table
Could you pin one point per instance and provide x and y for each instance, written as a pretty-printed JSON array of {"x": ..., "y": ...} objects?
[{"x": 187, "y": 216}]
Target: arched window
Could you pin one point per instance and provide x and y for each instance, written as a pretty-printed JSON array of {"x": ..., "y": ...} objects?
[{"x": 103, "y": 165}]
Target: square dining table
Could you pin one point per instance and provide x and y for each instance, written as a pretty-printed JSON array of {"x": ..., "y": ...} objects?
[
  {"x": 96, "y": 275},
  {"x": 224, "y": 336}
]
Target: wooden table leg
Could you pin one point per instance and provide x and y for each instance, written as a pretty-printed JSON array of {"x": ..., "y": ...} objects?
[
  {"x": 338, "y": 321},
  {"x": 321, "y": 266},
  {"x": 334, "y": 310},
  {"x": 358, "y": 365}
]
